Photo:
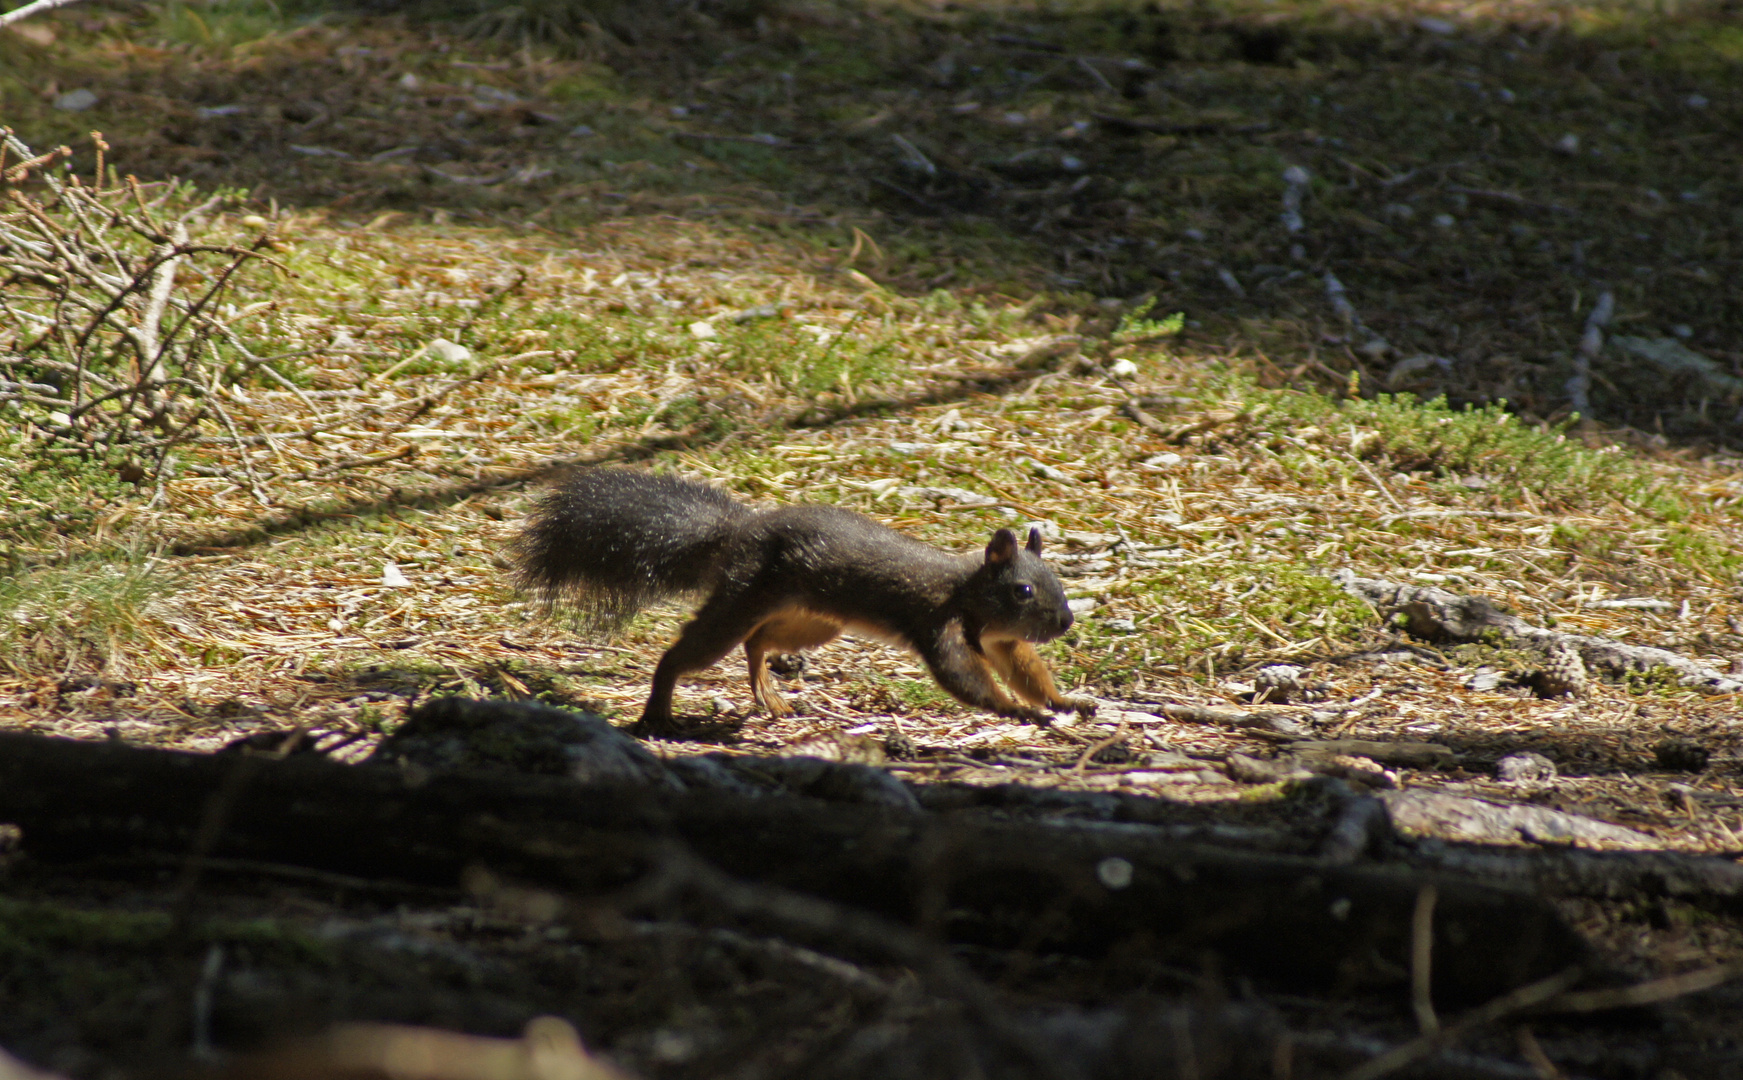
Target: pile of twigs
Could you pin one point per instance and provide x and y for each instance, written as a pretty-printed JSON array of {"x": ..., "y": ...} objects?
[{"x": 116, "y": 343}]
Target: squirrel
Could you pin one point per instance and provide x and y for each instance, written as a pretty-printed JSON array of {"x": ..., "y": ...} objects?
[{"x": 790, "y": 578}]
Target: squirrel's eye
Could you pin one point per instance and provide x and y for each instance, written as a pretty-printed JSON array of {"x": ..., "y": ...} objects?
[{"x": 1022, "y": 591}]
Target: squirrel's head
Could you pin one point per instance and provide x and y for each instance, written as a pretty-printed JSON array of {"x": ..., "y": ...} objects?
[{"x": 1014, "y": 594}]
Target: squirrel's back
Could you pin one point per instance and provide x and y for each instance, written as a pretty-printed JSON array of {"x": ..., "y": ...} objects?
[{"x": 611, "y": 541}]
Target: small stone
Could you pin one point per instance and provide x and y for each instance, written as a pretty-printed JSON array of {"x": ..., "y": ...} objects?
[
  {"x": 1122, "y": 368},
  {"x": 1568, "y": 144},
  {"x": 703, "y": 330},
  {"x": 76, "y": 100},
  {"x": 1114, "y": 872},
  {"x": 1524, "y": 767},
  {"x": 255, "y": 221},
  {"x": 448, "y": 352},
  {"x": 1681, "y": 755},
  {"x": 1122, "y": 626},
  {"x": 1484, "y": 679},
  {"x": 392, "y": 578},
  {"x": 1563, "y": 674},
  {"x": 1048, "y": 472}
]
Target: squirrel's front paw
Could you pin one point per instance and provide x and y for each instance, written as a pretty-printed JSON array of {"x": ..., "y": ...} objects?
[
  {"x": 1085, "y": 706},
  {"x": 1037, "y": 717}
]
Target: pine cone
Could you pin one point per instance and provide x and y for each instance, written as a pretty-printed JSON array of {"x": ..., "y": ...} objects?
[
  {"x": 1276, "y": 684},
  {"x": 1563, "y": 674}
]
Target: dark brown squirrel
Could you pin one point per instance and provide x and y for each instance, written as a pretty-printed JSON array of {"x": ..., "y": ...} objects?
[{"x": 612, "y": 540}]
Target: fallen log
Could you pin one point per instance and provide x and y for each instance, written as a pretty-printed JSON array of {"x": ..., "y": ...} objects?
[
  {"x": 1454, "y": 817},
  {"x": 1438, "y": 615},
  {"x": 969, "y": 878}
]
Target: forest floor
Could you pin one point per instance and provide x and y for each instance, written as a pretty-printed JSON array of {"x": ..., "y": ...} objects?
[{"x": 1177, "y": 284}]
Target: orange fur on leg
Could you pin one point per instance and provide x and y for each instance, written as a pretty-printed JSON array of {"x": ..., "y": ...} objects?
[
  {"x": 1026, "y": 674},
  {"x": 788, "y": 631}
]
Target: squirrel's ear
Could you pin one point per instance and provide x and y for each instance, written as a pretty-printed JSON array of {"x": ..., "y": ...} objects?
[
  {"x": 1003, "y": 547},
  {"x": 1034, "y": 544}
]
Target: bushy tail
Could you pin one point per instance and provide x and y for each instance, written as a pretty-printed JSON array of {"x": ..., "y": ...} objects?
[{"x": 611, "y": 541}]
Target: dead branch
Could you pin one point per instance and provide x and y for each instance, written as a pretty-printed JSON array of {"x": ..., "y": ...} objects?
[{"x": 1438, "y": 615}]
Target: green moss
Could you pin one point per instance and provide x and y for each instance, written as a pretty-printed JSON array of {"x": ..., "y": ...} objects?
[
  {"x": 1655, "y": 681},
  {"x": 42, "y": 495},
  {"x": 920, "y": 694},
  {"x": 35, "y": 931},
  {"x": 27, "y": 927},
  {"x": 1700, "y": 550}
]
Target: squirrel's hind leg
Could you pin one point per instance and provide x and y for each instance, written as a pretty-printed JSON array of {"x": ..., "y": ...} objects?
[
  {"x": 787, "y": 631},
  {"x": 720, "y": 626}
]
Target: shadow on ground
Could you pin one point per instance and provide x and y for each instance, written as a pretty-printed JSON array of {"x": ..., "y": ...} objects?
[{"x": 1433, "y": 205}]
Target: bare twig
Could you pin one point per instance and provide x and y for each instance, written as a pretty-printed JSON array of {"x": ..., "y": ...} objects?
[
  {"x": 36, "y": 7},
  {"x": 1648, "y": 993},
  {"x": 1508, "y": 1004},
  {"x": 1421, "y": 960},
  {"x": 1591, "y": 344}
]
